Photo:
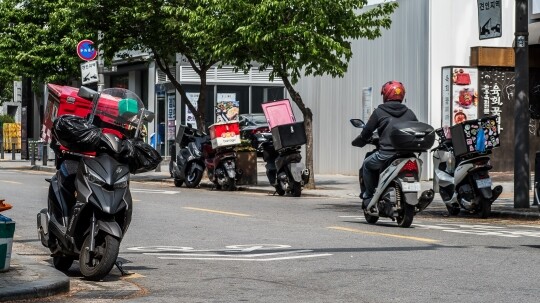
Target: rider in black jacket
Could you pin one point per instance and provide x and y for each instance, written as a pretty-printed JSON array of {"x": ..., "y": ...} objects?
[{"x": 382, "y": 119}]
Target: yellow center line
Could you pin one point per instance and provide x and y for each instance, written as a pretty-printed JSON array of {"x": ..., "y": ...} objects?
[
  {"x": 383, "y": 234},
  {"x": 12, "y": 182},
  {"x": 218, "y": 212}
]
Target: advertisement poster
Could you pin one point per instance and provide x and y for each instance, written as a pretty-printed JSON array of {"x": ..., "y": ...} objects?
[
  {"x": 190, "y": 118},
  {"x": 367, "y": 103},
  {"x": 171, "y": 117},
  {"x": 446, "y": 97},
  {"x": 227, "y": 107},
  {"x": 464, "y": 91}
]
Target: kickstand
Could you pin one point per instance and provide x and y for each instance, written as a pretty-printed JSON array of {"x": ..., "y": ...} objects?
[{"x": 119, "y": 265}]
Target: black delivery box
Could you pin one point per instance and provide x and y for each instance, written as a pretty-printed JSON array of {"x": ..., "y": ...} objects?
[
  {"x": 465, "y": 135},
  {"x": 288, "y": 135},
  {"x": 412, "y": 136}
]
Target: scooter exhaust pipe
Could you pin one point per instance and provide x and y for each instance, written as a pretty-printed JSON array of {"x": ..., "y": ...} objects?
[
  {"x": 425, "y": 199},
  {"x": 496, "y": 192}
]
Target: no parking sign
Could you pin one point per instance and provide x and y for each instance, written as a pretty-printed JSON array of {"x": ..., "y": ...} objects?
[{"x": 86, "y": 50}]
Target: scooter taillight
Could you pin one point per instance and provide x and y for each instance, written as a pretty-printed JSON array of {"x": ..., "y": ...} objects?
[{"x": 409, "y": 167}]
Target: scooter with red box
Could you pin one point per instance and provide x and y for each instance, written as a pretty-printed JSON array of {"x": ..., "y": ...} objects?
[{"x": 220, "y": 156}]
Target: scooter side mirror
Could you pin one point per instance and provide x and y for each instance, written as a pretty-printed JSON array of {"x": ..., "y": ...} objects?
[
  {"x": 357, "y": 123},
  {"x": 87, "y": 93}
]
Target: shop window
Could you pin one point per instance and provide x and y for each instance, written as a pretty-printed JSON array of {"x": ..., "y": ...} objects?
[
  {"x": 120, "y": 81},
  {"x": 260, "y": 94}
]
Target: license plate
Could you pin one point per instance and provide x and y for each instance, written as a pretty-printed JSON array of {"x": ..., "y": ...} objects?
[
  {"x": 483, "y": 183},
  {"x": 408, "y": 187}
]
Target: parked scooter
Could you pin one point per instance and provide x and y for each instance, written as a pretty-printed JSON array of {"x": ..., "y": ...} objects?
[
  {"x": 463, "y": 181},
  {"x": 188, "y": 166},
  {"x": 396, "y": 196},
  {"x": 221, "y": 166},
  {"x": 284, "y": 168},
  {"x": 89, "y": 201}
]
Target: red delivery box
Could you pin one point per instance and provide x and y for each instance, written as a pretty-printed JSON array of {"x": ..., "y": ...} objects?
[
  {"x": 64, "y": 100},
  {"x": 278, "y": 113},
  {"x": 224, "y": 134}
]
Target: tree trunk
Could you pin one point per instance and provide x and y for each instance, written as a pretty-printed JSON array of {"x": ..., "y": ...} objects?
[
  {"x": 200, "y": 111},
  {"x": 308, "y": 124}
]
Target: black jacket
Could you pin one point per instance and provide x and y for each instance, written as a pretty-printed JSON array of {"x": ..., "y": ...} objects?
[{"x": 382, "y": 119}]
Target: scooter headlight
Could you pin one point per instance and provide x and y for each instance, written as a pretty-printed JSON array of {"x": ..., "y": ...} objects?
[
  {"x": 95, "y": 178},
  {"x": 122, "y": 182}
]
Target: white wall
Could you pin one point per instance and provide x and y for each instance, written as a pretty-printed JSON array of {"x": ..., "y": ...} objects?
[{"x": 453, "y": 31}]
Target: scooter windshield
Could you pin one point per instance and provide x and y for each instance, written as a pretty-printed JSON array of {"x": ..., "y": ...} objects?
[{"x": 119, "y": 111}]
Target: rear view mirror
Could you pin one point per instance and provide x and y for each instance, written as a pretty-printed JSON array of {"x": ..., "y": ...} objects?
[
  {"x": 87, "y": 93},
  {"x": 148, "y": 116},
  {"x": 357, "y": 123}
]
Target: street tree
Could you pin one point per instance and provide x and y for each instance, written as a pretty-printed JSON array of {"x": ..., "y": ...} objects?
[
  {"x": 302, "y": 37},
  {"x": 162, "y": 29},
  {"x": 36, "y": 44}
]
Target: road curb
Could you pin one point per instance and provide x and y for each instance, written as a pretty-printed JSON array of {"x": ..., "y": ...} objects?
[{"x": 51, "y": 282}]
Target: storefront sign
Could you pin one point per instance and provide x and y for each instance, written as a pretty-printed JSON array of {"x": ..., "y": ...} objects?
[
  {"x": 489, "y": 18},
  {"x": 190, "y": 118},
  {"x": 496, "y": 91},
  {"x": 171, "y": 117},
  {"x": 446, "y": 97},
  {"x": 367, "y": 103}
]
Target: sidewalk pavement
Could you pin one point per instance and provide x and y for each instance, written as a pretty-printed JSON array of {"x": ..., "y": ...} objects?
[{"x": 29, "y": 279}]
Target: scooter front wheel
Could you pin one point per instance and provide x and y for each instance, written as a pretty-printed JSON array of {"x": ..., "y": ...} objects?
[
  {"x": 453, "y": 210},
  {"x": 62, "y": 263},
  {"x": 369, "y": 218},
  {"x": 296, "y": 190},
  {"x": 95, "y": 266},
  {"x": 194, "y": 176}
]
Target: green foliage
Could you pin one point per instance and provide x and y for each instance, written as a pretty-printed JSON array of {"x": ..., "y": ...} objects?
[
  {"x": 292, "y": 36},
  {"x": 244, "y": 146},
  {"x": 6, "y": 119},
  {"x": 35, "y": 42}
]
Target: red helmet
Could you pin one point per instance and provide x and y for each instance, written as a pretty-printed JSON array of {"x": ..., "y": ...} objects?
[{"x": 393, "y": 91}]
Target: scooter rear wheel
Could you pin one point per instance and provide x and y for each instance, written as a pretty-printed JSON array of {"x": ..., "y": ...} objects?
[
  {"x": 99, "y": 265},
  {"x": 485, "y": 210},
  {"x": 405, "y": 218}
]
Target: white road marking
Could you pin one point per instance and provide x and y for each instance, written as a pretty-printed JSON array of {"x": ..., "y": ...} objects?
[
  {"x": 231, "y": 253},
  {"x": 153, "y": 191},
  {"x": 484, "y": 230}
]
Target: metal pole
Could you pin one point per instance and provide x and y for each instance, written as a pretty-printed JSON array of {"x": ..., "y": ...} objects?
[
  {"x": 12, "y": 151},
  {"x": 44, "y": 155},
  {"x": 32, "y": 153},
  {"x": 536, "y": 189},
  {"x": 522, "y": 177},
  {"x": 2, "y": 149}
]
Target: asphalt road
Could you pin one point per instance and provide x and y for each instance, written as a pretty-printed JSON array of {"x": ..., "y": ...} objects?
[{"x": 198, "y": 245}]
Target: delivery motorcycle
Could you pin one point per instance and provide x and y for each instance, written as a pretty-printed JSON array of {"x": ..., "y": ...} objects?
[
  {"x": 396, "y": 196},
  {"x": 89, "y": 202},
  {"x": 284, "y": 168},
  {"x": 463, "y": 180},
  {"x": 221, "y": 166},
  {"x": 189, "y": 164}
]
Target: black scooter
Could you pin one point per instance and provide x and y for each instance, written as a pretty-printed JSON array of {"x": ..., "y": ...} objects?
[
  {"x": 89, "y": 203},
  {"x": 189, "y": 165},
  {"x": 284, "y": 167}
]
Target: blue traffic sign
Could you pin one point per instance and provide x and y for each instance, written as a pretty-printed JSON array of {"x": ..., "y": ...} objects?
[{"x": 86, "y": 50}]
